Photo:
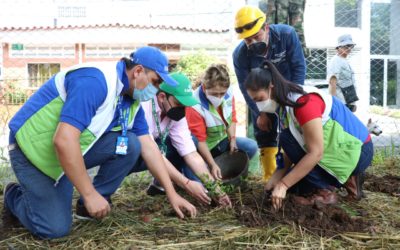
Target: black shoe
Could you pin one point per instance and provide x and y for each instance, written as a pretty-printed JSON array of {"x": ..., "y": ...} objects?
[
  {"x": 154, "y": 190},
  {"x": 9, "y": 220},
  {"x": 81, "y": 212}
]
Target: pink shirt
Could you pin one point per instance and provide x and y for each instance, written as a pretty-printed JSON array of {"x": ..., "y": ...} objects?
[{"x": 179, "y": 132}]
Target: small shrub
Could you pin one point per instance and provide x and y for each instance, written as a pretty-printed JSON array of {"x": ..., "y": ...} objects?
[
  {"x": 15, "y": 97},
  {"x": 215, "y": 187},
  {"x": 194, "y": 65}
]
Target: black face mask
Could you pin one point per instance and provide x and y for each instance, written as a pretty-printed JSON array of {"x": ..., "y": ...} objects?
[
  {"x": 176, "y": 113},
  {"x": 258, "y": 48}
]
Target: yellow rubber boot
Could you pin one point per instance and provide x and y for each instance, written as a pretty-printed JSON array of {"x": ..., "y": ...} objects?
[{"x": 268, "y": 161}]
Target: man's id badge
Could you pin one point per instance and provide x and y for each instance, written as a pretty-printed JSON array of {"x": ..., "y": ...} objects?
[{"x": 122, "y": 145}]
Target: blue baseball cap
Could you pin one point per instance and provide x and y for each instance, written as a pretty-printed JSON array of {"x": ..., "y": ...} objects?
[{"x": 154, "y": 59}]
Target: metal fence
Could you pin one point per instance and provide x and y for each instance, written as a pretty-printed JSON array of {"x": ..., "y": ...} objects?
[
  {"x": 38, "y": 38},
  {"x": 375, "y": 25}
]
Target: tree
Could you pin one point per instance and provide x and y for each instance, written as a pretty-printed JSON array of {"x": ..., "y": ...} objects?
[{"x": 193, "y": 65}]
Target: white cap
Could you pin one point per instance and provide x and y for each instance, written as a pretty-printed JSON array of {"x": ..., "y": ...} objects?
[{"x": 345, "y": 40}]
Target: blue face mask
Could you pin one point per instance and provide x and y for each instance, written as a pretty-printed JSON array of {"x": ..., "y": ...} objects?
[{"x": 145, "y": 94}]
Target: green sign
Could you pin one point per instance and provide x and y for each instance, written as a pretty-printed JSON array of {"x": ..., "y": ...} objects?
[{"x": 17, "y": 46}]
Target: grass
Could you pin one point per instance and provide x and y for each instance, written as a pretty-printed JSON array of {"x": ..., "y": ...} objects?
[
  {"x": 6, "y": 174},
  {"x": 142, "y": 222},
  {"x": 395, "y": 113},
  {"x": 254, "y": 165}
]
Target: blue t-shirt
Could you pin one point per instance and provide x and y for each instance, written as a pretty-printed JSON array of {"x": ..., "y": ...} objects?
[{"x": 86, "y": 90}]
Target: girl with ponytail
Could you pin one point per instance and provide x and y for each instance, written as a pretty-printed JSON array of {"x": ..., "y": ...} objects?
[{"x": 322, "y": 144}]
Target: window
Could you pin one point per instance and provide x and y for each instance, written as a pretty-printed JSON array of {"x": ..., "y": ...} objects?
[
  {"x": 316, "y": 64},
  {"x": 377, "y": 78},
  {"x": 71, "y": 11},
  {"x": 41, "y": 72},
  {"x": 347, "y": 13},
  {"x": 381, "y": 28}
]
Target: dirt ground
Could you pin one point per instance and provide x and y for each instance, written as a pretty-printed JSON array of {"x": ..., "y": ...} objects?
[
  {"x": 389, "y": 184},
  {"x": 253, "y": 210},
  {"x": 150, "y": 222}
]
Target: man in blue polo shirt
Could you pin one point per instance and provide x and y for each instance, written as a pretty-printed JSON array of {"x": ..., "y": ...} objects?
[
  {"x": 86, "y": 116},
  {"x": 278, "y": 43}
]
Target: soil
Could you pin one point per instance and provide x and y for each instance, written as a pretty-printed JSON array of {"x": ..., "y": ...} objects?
[
  {"x": 389, "y": 184},
  {"x": 324, "y": 220}
]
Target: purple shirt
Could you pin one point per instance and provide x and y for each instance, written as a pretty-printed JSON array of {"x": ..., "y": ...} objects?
[{"x": 179, "y": 132}]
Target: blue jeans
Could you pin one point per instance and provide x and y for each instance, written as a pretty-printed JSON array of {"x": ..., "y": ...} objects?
[
  {"x": 318, "y": 178},
  {"x": 173, "y": 156},
  {"x": 46, "y": 210},
  {"x": 247, "y": 145}
]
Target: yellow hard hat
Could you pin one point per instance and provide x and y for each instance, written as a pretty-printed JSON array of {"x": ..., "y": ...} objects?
[{"x": 248, "y": 21}]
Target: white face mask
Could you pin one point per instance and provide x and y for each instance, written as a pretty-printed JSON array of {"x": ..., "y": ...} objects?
[
  {"x": 215, "y": 101},
  {"x": 268, "y": 106}
]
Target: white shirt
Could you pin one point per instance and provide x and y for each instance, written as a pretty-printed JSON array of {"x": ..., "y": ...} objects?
[{"x": 341, "y": 69}]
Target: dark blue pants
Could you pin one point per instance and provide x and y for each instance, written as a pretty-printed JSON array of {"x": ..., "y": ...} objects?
[
  {"x": 264, "y": 138},
  {"x": 46, "y": 210},
  {"x": 318, "y": 178}
]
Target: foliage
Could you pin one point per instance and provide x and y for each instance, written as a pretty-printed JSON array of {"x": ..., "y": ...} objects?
[
  {"x": 346, "y": 13},
  {"x": 395, "y": 113},
  {"x": 138, "y": 221},
  {"x": 194, "y": 65},
  {"x": 380, "y": 30},
  {"x": 6, "y": 174},
  {"x": 215, "y": 187},
  {"x": 316, "y": 64},
  {"x": 377, "y": 75},
  {"x": 379, "y": 158},
  {"x": 15, "y": 98},
  {"x": 13, "y": 95},
  {"x": 384, "y": 163}
]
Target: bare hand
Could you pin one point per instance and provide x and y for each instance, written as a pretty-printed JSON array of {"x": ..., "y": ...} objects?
[
  {"x": 232, "y": 145},
  {"x": 271, "y": 183},
  {"x": 278, "y": 195},
  {"x": 216, "y": 172},
  {"x": 224, "y": 201},
  {"x": 180, "y": 205},
  {"x": 196, "y": 190},
  {"x": 97, "y": 205},
  {"x": 263, "y": 122}
]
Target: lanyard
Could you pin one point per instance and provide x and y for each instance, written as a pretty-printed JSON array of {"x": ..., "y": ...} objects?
[
  {"x": 123, "y": 116},
  {"x": 162, "y": 135},
  {"x": 281, "y": 121}
]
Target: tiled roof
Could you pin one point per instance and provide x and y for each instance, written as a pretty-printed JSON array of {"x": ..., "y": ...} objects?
[{"x": 115, "y": 25}]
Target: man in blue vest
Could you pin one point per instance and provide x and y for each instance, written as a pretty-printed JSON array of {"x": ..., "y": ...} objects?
[
  {"x": 280, "y": 44},
  {"x": 86, "y": 116}
]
